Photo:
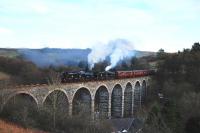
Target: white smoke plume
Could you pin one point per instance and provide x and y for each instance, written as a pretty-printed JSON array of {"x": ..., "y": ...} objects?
[{"x": 116, "y": 50}]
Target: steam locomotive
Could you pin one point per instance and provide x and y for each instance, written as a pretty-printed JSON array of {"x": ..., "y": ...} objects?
[{"x": 82, "y": 76}]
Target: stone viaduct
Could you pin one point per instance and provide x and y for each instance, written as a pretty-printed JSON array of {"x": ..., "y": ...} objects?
[{"x": 109, "y": 99}]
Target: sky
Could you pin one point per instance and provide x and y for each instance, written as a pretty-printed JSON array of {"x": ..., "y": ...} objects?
[{"x": 148, "y": 24}]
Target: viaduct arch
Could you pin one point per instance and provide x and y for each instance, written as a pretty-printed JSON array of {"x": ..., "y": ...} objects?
[
  {"x": 20, "y": 107},
  {"x": 102, "y": 102},
  {"x": 103, "y": 99}
]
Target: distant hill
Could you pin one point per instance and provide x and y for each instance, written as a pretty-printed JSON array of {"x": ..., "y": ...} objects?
[
  {"x": 55, "y": 56},
  {"x": 11, "y": 53}
]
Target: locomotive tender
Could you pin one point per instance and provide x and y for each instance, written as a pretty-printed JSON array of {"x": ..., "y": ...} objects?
[{"x": 82, "y": 76}]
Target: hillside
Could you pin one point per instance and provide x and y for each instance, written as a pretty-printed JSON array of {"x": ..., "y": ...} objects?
[
  {"x": 4, "y": 76},
  {"x": 56, "y": 57},
  {"x": 7, "y": 127},
  {"x": 11, "y": 53}
]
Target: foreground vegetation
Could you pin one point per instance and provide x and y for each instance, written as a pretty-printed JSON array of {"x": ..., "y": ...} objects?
[
  {"x": 7, "y": 127},
  {"x": 175, "y": 96},
  {"x": 51, "y": 119}
]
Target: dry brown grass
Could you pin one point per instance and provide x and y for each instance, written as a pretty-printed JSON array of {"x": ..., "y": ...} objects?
[
  {"x": 4, "y": 76},
  {"x": 7, "y": 127}
]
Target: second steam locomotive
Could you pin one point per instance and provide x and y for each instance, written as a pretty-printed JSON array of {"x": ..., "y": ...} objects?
[{"x": 82, "y": 76}]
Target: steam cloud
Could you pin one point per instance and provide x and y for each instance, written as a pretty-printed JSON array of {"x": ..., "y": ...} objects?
[{"x": 116, "y": 50}]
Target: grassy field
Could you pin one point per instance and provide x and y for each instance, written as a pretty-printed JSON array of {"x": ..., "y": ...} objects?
[{"x": 6, "y": 127}]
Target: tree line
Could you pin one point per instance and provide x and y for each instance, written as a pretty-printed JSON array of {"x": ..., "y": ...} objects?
[
  {"x": 26, "y": 72},
  {"x": 175, "y": 93}
]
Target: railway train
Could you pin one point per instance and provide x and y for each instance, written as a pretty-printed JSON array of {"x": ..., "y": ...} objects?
[{"x": 82, "y": 76}]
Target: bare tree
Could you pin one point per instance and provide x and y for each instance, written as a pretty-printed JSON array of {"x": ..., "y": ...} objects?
[
  {"x": 56, "y": 104},
  {"x": 55, "y": 108},
  {"x": 152, "y": 120},
  {"x": 4, "y": 85},
  {"x": 190, "y": 102},
  {"x": 155, "y": 124},
  {"x": 54, "y": 82}
]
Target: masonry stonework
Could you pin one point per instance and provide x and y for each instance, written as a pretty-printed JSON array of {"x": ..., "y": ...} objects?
[{"x": 41, "y": 92}]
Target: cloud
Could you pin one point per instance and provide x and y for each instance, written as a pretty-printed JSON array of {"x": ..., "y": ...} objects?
[
  {"x": 5, "y": 31},
  {"x": 150, "y": 24},
  {"x": 40, "y": 7},
  {"x": 24, "y": 7}
]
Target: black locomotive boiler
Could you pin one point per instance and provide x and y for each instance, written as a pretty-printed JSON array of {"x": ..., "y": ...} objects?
[{"x": 82, "y": 76}]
